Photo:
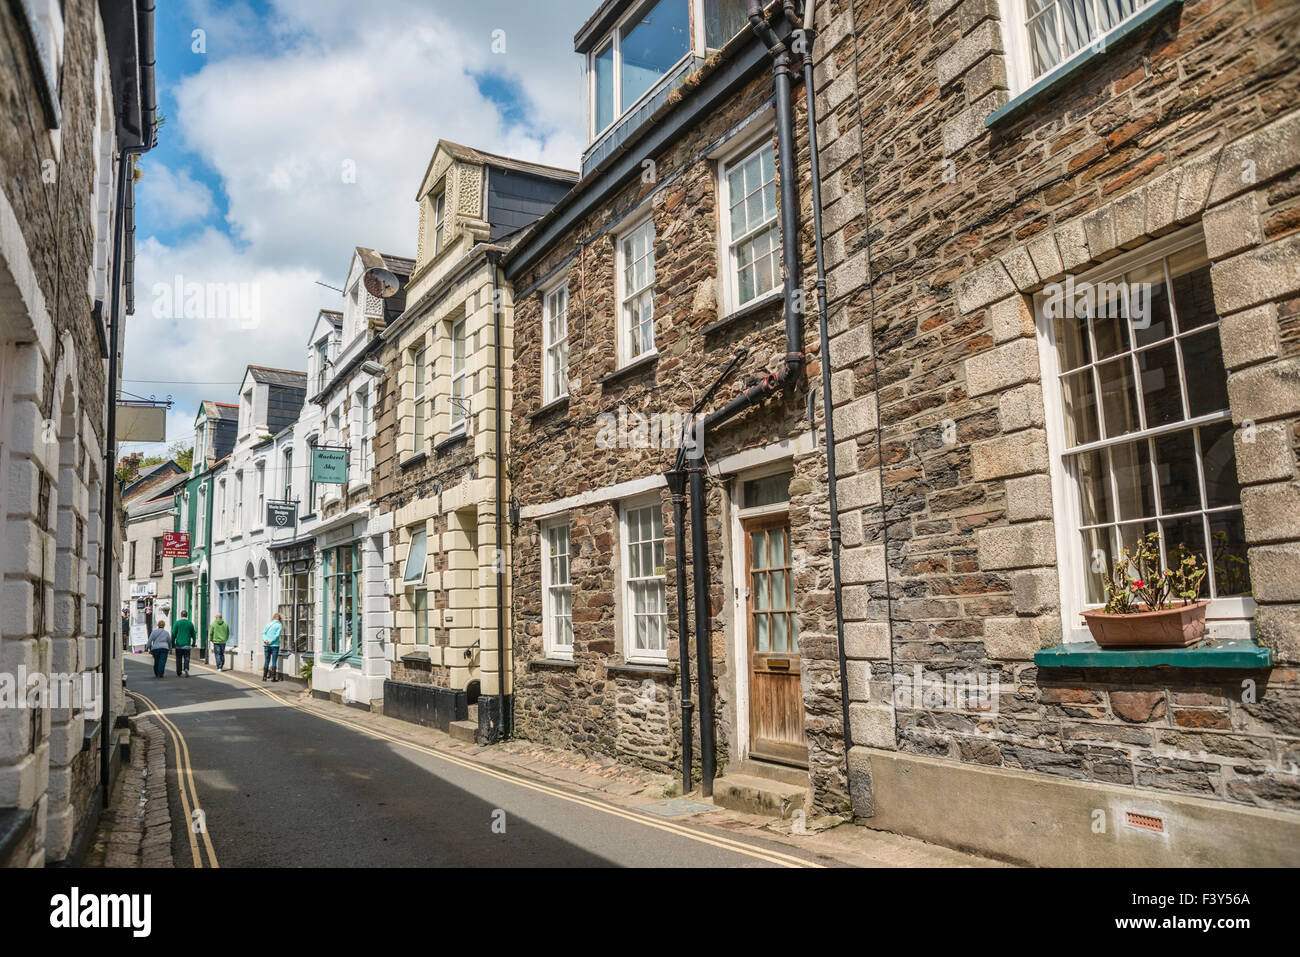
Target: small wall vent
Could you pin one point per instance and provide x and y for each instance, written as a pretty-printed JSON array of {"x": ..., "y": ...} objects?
[{"x": 1144, "y": 822}]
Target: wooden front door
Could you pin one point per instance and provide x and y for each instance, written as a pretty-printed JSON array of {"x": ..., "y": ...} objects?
[{"x": 776, "y": 729}]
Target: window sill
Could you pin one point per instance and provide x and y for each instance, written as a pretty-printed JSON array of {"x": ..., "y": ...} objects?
[
  {"x": 447, "y": 445},
  {"x": 553, "y": 663},
  {"x": 640, "y": 668},
  {"x": 415, "y": 459},
  {"x": 1066, "y": 74},
  {"x": 555, "y": 405},
  {"x": 744, "y": 312},
  {"x": 648, "y": 361},
  {"x": 1231, "y": 654}
]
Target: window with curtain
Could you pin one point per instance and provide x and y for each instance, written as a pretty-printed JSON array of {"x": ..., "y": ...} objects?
[
  {"x": 1147, "y": 435},
  {"x": 637, "y": 306}
]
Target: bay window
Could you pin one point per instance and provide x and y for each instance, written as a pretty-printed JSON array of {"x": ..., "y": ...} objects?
[{"x": 341, "y": 578}]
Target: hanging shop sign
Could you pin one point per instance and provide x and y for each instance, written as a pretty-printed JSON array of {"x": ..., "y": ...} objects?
[
  {"x": 281, "y": 514},
  {"x": 176, "y": 544},
  {"x": 329, "y": 466}
]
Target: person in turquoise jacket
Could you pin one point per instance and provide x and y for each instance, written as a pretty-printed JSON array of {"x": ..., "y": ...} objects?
[{"x": 271, "y": 642}]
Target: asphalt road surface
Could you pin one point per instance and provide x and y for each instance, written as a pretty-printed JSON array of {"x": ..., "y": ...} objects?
[{"x": 282, "y": 787}]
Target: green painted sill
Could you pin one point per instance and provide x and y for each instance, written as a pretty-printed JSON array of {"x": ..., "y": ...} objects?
[
  {"x": 334, "y": 658},
  {"x": 1233, "y": 653},
  {"x": 1063, "y": 76}
]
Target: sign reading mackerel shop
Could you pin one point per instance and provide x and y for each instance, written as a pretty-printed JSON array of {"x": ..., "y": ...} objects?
[{"x": 329, "y": 465}]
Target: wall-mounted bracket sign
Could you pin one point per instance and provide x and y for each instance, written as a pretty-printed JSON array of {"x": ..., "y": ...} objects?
[
  {"x": 329, "y": 465},
  {"x": 281, "y": 514},
  {"x": 176, "y": 544}
]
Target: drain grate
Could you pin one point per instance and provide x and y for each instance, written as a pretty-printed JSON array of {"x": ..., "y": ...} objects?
[{"x": 1144, "y": 822}]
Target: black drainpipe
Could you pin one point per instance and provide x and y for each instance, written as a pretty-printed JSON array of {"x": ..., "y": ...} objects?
[
  {"x": 770, "y": 384},
  {"x": 828, "y": 405},
  {"x": 504, "y": 722},
  {"x": 676, "y": 479},
  {"x": 125, "y": 168}
]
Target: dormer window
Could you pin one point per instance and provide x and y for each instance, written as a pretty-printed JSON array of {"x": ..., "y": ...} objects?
[
  {"x": 642, "y": 49},
  {"x": 322, "y": 363}
]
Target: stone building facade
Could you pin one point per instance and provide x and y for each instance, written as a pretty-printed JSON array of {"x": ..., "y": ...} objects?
[
  {"x": 443, "y": 412},
  {"x": 662, "y": 275},
  {"x": 1010, "y": 448},
  {"x": 71, "y": 77}
]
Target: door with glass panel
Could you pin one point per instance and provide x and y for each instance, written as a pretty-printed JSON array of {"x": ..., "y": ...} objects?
[{"x": 776, "y": 726}]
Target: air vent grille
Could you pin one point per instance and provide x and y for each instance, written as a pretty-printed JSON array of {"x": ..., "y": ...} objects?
[{"x": 1144, "y": 822}]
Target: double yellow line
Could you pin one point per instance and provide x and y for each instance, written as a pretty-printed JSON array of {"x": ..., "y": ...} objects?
[
  {"x": 185, "y": 774},
  {"x": 718, "y": 841}
]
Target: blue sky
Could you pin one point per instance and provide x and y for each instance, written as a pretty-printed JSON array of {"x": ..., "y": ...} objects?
[{"x": 265, "y": 108}]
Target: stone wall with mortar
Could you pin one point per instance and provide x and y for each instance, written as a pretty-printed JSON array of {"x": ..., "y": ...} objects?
[{"x": 1192, "y": 122}]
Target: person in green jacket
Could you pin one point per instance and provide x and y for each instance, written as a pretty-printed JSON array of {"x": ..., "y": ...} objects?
[
  {"x": 182, "y": 640},
  {"x": 218, "y": 635},
  {"x": 271, "y": 642}
]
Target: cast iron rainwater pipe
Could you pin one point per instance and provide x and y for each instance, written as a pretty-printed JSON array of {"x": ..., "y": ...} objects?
[
  {"x": 504, "y": 719},
  {"x": 828, "y": 405},
  {"x": 125, "y": 168},
  {"x": 769, "y": 385},
  {"x": 676, "y": 479}
]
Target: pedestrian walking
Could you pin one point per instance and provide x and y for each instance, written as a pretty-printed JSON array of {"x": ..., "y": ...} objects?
[
  {"x": 271, "y": 642},
  {"x": 218, "y": 635},
  {"x": 160, "y": 642},
  {"x": 183, "y": 640}
]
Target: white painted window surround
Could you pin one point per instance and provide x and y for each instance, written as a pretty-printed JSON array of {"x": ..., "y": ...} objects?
[
  {"x": 750, "y": 226},
  {"x": 1138, "y": 429},
  {"x": 1043, "y": 37},
  {"x": 644, "y": 581},
  {"x": 557, "y": 599},
  {"x": 636, "y": 281},
  {"x": 555, "y": 332}
]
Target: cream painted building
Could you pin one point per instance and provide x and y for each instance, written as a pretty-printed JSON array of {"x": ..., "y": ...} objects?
[{"x": 442, "y": 433}]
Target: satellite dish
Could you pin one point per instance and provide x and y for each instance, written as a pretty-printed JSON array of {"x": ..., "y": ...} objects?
[{"x": 380, "y": 282}]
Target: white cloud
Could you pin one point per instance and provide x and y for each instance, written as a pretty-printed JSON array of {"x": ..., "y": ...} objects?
[
  {"x": 279, "y": 107},
  {"x": 172, "y": 199}
]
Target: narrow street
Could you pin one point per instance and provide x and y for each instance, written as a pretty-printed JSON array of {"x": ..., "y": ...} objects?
[{"x": 263, "y": 768}]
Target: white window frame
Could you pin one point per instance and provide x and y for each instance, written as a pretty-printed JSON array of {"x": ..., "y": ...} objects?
[
  {"x": 223, "y": 495},
  {"x": 238, "y": 511},
  {"x": 555, "y": 350},
  {"x": 1231, "y": 615},
  {"x": 553, "y": 635},
  {"x": 439, "y": 220},
  {"x": 287, "y": 460},
  {"x": 322, "y": 362},
  {"x": 361, "y": 402},
  {"x": 458, "y": 405},
  {"x": 630, "y": 651},
  {"x": 729, "y": 244},
  {"x": 1015, "y": 37},
  {"x": 419, "y": 362},
  {"x": 614, "y": 39},
  {"x": 201, "y": 525},
  {"x": 626, "y": 296},
  {"x": 410, "y": 574},
  {"x": 259, "y": 518}
]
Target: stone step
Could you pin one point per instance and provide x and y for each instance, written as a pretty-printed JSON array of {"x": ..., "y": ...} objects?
[
  {"x": 464, "y": 730},
  {"x": 755, "y": 795},
  {"x": 784, "y": 773}
]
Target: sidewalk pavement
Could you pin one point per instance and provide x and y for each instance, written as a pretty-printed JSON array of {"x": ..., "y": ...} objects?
[{"x": 136, "y": 828}]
